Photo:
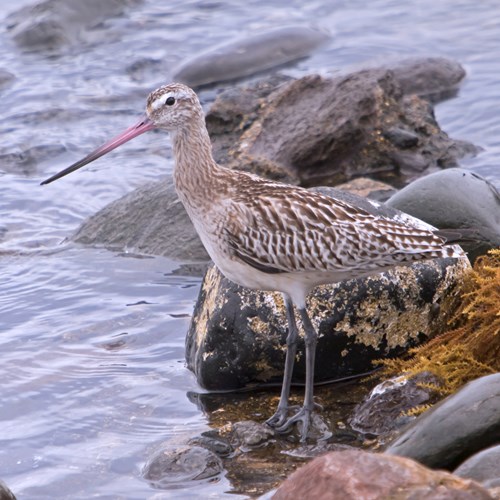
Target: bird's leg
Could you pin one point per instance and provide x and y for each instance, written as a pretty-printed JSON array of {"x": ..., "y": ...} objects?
[
  {"x": 304, "y": 414},
  {"x": 281, "y": 414}
]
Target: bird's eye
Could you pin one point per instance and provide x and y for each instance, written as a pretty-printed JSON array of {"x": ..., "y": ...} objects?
[{"x": 170, "y": 101}]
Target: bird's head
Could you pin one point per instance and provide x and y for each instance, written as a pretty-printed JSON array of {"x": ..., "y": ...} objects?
[{"x": 171, "y": 107}]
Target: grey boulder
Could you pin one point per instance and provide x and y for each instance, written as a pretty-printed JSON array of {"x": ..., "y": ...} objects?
[{"x": 462, "y": 424}]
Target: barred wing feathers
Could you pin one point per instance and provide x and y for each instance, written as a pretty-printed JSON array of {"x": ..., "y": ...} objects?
[{"x": 294, "y": 230}]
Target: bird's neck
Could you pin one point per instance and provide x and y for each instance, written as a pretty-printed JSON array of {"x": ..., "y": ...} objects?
[{"x": 195, "y": 169}]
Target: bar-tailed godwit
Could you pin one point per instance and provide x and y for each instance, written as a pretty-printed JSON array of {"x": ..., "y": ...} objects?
[{"x": 270, "y": 236}]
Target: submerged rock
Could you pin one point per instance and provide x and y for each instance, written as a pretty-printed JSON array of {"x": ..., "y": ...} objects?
[
  {"x": 250, "y": 55},
  {"x": 455, "y": 428},
  {"x": 372, "y": 476},
  {"x": 212, "y": 441},
  {"x": 52, "y": 24},
  {"x": 384, "y": 408},
  {"x": 250, "y": 434},
  {"x": 455, "y": 198},
  {"x": 187, "y": 463},
  {"x": 237, "y": 335},
  {"x": 24, "y": 160}
]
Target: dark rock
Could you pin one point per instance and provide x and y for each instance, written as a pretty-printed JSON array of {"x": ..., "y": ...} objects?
[
  {"x": 327, "y": 131},
  {"x": 52, "y": 24},
  {"x": 483, "y": 467},
  {"x": 401, "y": 138},
  {"x": 250, "y": 434},
  {"x": 435, "y": 78},
  {"x": 250, "y": 55},
  {"x": 359, "y": 474},
  {"x": 188, "y": 463},
  {"x": 149, "y": 220},
  {"x": 5, "y": 493},
  {"x": 384, "y": 408},
  {"x": 455, "y": 198},
  {"x": 237, "y": 335},
  {"x": 213, "y": 442},
  {"x": 234, "y": 111},
  {"x": 455, "y": 428},
  {"x": 409, "y": 163}
]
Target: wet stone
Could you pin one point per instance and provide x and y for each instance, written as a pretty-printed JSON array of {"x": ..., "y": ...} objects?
[
  {"x": 384, "y": 408},
  {"x": 401, "y": 138},
  {"x": 250, "y": 55},
  {"x": 213, "y": 442},
  {"x": 472, "y": 203},
  {"x": 188, "y": 463},
  {"x": 250, "y": 434},
  {"x": 454, "y": 429},
  {"x": 233, "y": 112}
]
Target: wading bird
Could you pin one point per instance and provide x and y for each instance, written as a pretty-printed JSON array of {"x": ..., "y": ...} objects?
[{"x": 270, "y": 236}]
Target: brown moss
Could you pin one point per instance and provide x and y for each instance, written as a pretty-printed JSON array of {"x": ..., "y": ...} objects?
[{"x": 472, "y": 347}]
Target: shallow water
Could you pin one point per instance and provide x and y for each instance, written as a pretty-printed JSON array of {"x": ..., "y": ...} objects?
[{"x": 92, "y": 341}]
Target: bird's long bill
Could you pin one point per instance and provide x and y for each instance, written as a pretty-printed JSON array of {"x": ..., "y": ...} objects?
[{"x": 139, "y": 128}]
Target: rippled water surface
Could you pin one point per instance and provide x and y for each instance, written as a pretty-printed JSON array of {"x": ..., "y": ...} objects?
[{"x": 92, "y": 341}]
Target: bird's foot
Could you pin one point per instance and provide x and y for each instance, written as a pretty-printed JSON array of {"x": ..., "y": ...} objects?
[
  {"x": 279, "y": 418},
  {"x": 303, "y": 418}
]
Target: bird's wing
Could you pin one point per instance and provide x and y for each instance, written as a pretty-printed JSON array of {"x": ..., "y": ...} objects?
[{"x": 290, "y": 230}]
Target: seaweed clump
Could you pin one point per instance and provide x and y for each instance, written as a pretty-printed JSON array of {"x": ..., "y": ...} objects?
[{"x": 471, "y": 348}]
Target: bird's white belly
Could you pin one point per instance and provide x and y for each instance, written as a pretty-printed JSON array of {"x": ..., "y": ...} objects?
[
  {"x": 295, "y": 285},
  {"x": 245, "y": 275}
]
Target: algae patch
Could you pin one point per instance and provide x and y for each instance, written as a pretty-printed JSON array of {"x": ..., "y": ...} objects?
[{"x": 471, "y": 348}]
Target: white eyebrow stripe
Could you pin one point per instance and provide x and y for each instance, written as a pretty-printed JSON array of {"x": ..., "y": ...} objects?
[{"x": 160, "y": 101}]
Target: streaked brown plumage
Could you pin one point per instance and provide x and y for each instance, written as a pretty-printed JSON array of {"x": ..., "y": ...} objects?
[{"x": 270, "y": 236}]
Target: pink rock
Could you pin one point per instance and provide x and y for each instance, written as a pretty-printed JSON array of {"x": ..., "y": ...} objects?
[{"x": 360, "y": 475}]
